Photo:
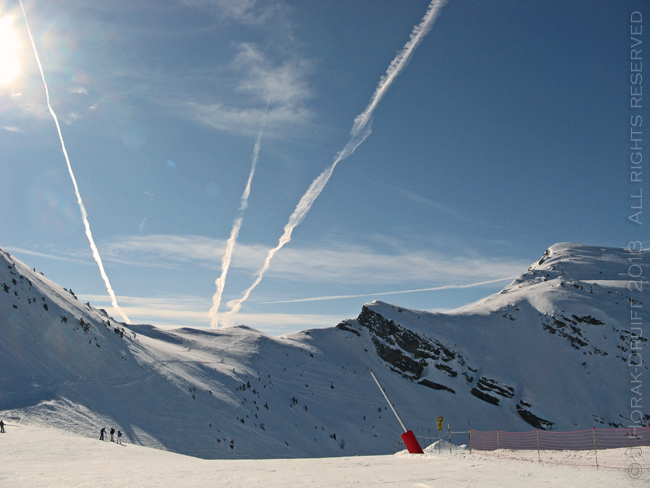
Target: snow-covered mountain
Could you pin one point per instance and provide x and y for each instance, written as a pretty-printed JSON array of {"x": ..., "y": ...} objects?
[{"x": 551, "y": 351}]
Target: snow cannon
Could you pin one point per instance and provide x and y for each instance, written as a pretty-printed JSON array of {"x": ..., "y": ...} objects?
[{"x": 410, "y": 441}]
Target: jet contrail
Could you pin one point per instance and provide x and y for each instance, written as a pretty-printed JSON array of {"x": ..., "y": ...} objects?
[
  {"x": 435, "y": 288},
  {"x": 360, "y": 131},
  {"x": 230, "y": 245},
  {"x": 84, "y": 215}
]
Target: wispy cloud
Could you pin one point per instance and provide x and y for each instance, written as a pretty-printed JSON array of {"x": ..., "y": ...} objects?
[
  {"x": 80, "y": 90},
  {"x": 428, "y": 202},
  {"x": 234, "y": 233},
  {"x": 165, "y": 251},
  {"x": 280, "y": 85},
  {"x": 84, "y": 214},
  {"x": 242, "y": 11},
  {"x": 71, "y": 118},
  {"x": 360, "y": 131},
  {"x": 69, "y": 258},
  {"x": 179, "y": 311},
  {"x": 237, "y": 120},
  {"x": 242, "y": 76},
  {"x": 340, "y": 263},
  {"x": 398, "y": 292},
  {"x": 191, "y": 312}
]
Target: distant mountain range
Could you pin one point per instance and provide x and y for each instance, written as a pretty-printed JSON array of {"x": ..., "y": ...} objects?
[{"x": 559, "y": 348}]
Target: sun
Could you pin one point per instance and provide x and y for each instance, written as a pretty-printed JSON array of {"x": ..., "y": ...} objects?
[{"x": 9, "y": 49}]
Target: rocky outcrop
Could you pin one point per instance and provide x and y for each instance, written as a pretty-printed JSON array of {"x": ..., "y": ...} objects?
[
  {"x": 490, "y": 390},
  {"x": 410, "y": 354},
  {"x": 406, "y": 352},
  {"x": 523, "y": 409},
  {"x": 435, "y": 386}
]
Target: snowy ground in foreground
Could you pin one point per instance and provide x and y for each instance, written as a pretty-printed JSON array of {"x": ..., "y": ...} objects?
[{"x": 36, "y": 457}]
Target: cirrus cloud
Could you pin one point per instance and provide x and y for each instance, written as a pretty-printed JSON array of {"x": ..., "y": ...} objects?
[{"x": 337, "y": 263}]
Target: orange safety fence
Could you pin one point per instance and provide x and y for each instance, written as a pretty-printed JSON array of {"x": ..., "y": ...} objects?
[{"x": 607, "y": 448}]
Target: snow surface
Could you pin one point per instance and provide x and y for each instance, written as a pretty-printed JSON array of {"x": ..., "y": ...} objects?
[
  {"x": 34, "y": 457},
  {"x": 555, "y": 341}
]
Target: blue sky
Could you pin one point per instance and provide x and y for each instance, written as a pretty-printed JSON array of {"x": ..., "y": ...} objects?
[{"x": 505, "y": 133}]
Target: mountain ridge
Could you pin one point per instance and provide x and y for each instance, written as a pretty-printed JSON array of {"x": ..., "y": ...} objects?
[{"x": 549, "y": 351}]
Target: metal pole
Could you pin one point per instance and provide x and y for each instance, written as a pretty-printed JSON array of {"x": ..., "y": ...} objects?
[
  {"x": 387, "y": 400},
  {"x": 538, "y": 456},
  {"x": 595, "y": 447},
  {"x": 449, "y": 430}
]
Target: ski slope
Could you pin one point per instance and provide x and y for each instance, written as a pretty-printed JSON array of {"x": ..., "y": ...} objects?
[
  {"x": 550, "y": 351},
  {"x": 37, "y": 457}
]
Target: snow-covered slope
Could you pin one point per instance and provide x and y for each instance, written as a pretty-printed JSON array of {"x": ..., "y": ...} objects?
[
  {"x": 34, "y": 457},
  {"x": 550, "y": 351}
]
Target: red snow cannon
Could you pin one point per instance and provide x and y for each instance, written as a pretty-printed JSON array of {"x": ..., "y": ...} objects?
[
  {"x": 411, "y": 442},
  {"x": 408, "y": 436}
]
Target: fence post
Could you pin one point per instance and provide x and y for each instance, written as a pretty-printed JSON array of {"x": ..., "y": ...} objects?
[
  {"x": 595, "y": 447},
  {"x": 538, "y": 456},
  {"x": 449, "y": 430},
  {"x": 470, "y": 440},
  {"x": 497, "y": 443}
]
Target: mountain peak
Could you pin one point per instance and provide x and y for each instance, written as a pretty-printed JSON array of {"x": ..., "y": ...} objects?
[{"x": 550, "y": 351}]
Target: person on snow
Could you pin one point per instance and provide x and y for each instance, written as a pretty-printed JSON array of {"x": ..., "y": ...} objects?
[
  {"x": 2, "y": 427},
  {"x": 101, "y": 433},
  {"x": 112, "y": 434},
  {"x": 119, "y": 437}
]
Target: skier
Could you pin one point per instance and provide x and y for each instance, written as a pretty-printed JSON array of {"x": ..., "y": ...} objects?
[
  {"x": 2, "y": 427},
  {"x": 101, "y": 433},
  {"x": 112, "y": 434},
  {"x": 119, "y": 437}
]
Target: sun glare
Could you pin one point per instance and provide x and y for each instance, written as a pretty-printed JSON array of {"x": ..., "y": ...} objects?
[{"x": 9, "y": 47}]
